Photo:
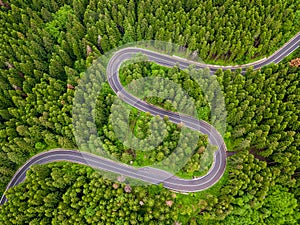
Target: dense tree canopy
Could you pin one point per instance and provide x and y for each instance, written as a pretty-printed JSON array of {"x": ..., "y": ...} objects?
[
  {"x": 47, "y": 45},
  {"x": 73, "y": 194}
]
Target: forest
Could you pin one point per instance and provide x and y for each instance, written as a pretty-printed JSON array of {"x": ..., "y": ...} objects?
[
  {"x": 148, "y": 130},
  {"x": 46, "y": 46}
]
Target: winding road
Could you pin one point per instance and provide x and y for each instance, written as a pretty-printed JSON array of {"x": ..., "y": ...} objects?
[{"x": 149, "y": 174}]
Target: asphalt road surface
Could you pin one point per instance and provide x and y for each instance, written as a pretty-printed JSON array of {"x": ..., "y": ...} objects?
[{"x": 149, "y": 174}]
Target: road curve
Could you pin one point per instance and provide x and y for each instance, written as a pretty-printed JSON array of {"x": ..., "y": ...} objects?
[{"x": 148, "y": 174}]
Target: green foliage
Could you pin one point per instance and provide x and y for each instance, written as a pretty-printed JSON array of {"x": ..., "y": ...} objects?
[
  {"x": 190, "y": 87},
  {"x": 58, "y": 25},
  {"x": 139, "y": 123},
  {"x": 62, "y": 193},
  {"x": 279, "y": 207},
  {"x": 144, "y": 131},
  {"x": 45, "y": 45}
]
